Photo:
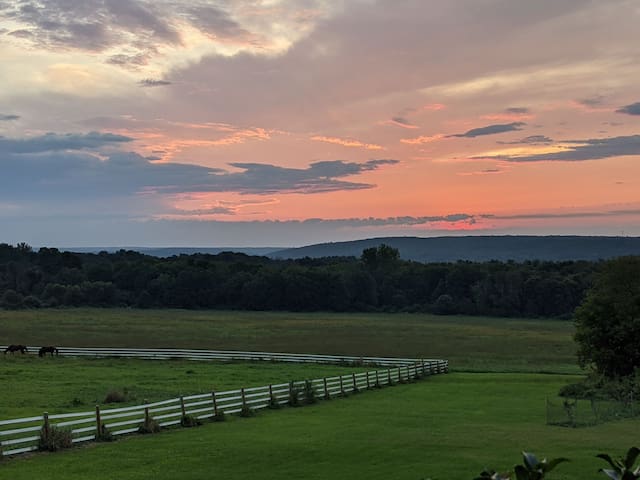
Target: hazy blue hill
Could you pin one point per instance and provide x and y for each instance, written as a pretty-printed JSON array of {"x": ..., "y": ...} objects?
[{"x": 480, "y": 248}]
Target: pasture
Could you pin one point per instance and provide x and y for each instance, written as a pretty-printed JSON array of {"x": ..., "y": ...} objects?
[
  {"x": 482, "y": 344},
  {"x": 446, "y": 427}
]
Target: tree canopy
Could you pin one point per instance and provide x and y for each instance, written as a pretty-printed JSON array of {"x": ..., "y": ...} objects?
[{"x": 608, "y": 320}]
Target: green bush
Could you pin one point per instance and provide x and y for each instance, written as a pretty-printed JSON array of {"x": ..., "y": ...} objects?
[
  {"x": 55, "y": 439},
  {"x": 309, "y": 393},
  {"x": 247, "y": 411},
  {"x": 150, "y": 425},
  {"x": 105, "y": 435},
  {"x": 220, "y": 417},
  {"x": 189, "y": 421},
  {"x": 274, "y": 404},
  {"x": 117, "y": 396}
]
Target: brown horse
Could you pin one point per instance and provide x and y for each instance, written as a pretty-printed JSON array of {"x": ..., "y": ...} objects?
[
  {"x": 44, "y": 350},
  {"x": 15, "y": 348}
]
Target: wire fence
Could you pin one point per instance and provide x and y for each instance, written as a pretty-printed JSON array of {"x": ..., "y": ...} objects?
[
  {"x": 588, "y": 412},
  {"x": 28, "y": 434}
]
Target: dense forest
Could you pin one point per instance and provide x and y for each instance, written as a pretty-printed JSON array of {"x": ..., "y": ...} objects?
[{"x": 377, "y": 281}]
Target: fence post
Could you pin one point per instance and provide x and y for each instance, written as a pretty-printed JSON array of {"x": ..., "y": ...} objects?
[
  {"x": 146, "y": 416},
  {"x": 389, "y": 377},
  {"x": 326, "y": 390},
  {"x": 341, "y": 387},
  {"x": 399, "y": 375},
  {"x": 215, "y": 403},
  {"x": 46, "y": 428},
  {"x": 355, "y": 385},
  {"x": 408, "y": 374},
  {"x": 368, "y": 384},
  {"x": 98, "y": 422},
  {"x": 423, "y": 370},
  {"x": 244, "y": 400},
  {"x": 377, "y": 380},
  {"x": 184, "y": 412},
  {"x": 270, "y": 394}
]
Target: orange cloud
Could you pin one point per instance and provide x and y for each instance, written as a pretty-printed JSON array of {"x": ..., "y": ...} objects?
[
  {"x": 434, "y": 107},
  {"x": 347, "y": 142},
  {"x": 422, "y": 139}
]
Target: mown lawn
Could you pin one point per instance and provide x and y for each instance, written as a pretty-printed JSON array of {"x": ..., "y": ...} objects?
[
  {"x": 470, "y": 343},
  {"x": 446, "y": 427}
]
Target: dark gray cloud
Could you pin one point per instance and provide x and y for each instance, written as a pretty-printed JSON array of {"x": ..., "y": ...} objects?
[
  {"x": 591, "y": 149},
  {"x": 136, "y": 26},
  {"x": 633, "y": 109},
  {"x": 8, "y": 117},
  {"x": 29, "y": 173},
  {"x": 530, "y": 140},
  {"x": 402, "y": 121},
  {"x": 491, "y": 130},
  {"x": 592, "y": 102},
  {"x": 52, "y": 142},
  {"x": 518, "y": 110},
  {"x": 149, "y": 82},
  {"x": 560, "y": 215}
]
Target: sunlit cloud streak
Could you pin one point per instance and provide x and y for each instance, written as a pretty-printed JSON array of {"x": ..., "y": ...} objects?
[
  {"x": 591, "y": 149},
  {"x": 149, "y": 82},
  {"x": 347, "y": 142}
]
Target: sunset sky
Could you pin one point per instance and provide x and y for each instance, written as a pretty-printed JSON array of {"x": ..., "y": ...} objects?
[{"x": 292, "y": 122}]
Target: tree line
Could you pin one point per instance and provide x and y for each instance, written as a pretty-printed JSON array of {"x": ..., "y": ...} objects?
[{"x": 377, "y": 281}]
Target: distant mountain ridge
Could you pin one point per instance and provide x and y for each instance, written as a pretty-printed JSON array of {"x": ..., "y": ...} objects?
[{"x": 479, "y": 248}]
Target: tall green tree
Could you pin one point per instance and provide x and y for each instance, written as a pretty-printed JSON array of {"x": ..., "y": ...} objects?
[{"x": 608, "y": 320}]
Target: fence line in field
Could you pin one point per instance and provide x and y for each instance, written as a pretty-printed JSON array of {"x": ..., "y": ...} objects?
[{"x": 23, "y": 434}]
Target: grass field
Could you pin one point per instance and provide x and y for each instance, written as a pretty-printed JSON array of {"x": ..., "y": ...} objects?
[
  {"x": 469, "y": 343},
  {"x": 38, "y": 385},
  {"x": 447, "y": 427}
]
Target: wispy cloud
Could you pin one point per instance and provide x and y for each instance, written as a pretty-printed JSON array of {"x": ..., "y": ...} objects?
[
  {"x": 149, "y": 82},
  {"x": 347, "y": 142},
  {"x": 491, "y": 130},
  {"x": 401, "y": 122},
  {"x": 8, "y": 118},
  {"x": 581, "y": 150},
  {"x": 530, "y": 140},
  {"x": 52, "y": 142},
  {"x": 633, "y": 109},
  {"x": 422, "y": 139}
]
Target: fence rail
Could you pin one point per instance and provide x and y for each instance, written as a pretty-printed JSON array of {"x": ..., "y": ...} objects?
[{"x": 23, "y": 434}]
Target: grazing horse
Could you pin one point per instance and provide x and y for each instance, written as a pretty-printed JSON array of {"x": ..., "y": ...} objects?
[
  {"x": 44, "y": 350},
  {"x": 14, "y": 348}
]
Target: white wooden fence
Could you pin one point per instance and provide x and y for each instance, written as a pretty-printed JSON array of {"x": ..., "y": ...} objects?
[{"x": 22, "y": 435}]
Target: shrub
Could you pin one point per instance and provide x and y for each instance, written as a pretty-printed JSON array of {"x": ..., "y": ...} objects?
[
  {"x": 189, "y": 421},
  {"x": 294, "y": 396},
  {"x": 623, "y": 468},
  {"x": 150, "y": 425},
  {"x": 247, "y": 411},
  {"x": 220, "y": 417},
  {"x": 105, "y": 435},
  {"x": 55, "y": 439},
  {"x": 309, "y": 393},
  {"x": 116, "y": 396},
  {"x": 274, "y": 404}
]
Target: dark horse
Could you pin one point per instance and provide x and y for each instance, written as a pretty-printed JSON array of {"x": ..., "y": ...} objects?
[
  {"x": 44, "y": 350},
  {"x": 16, "y": 348}
]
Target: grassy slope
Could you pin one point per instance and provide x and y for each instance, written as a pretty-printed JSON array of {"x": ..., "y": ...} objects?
[
  {"x": 470, "y": 343},
  {"x": 447, "y": 427}
]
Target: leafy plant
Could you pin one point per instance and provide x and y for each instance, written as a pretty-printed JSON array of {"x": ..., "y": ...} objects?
[
  {"x": 219, "y": 417},
  {"x": 247, "y": 411},
  {"x": 105, "y": 434},
  {"x": 189, "y": 421},
  {"x": 309, "y": 393},
  {"x": 274, "y": 404},
  {"x": 622, "y": 468},
  {"x": 54, "y": 439},
  {"x": 150, "y": 425},
  {"x": 533, "y": 469}
]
